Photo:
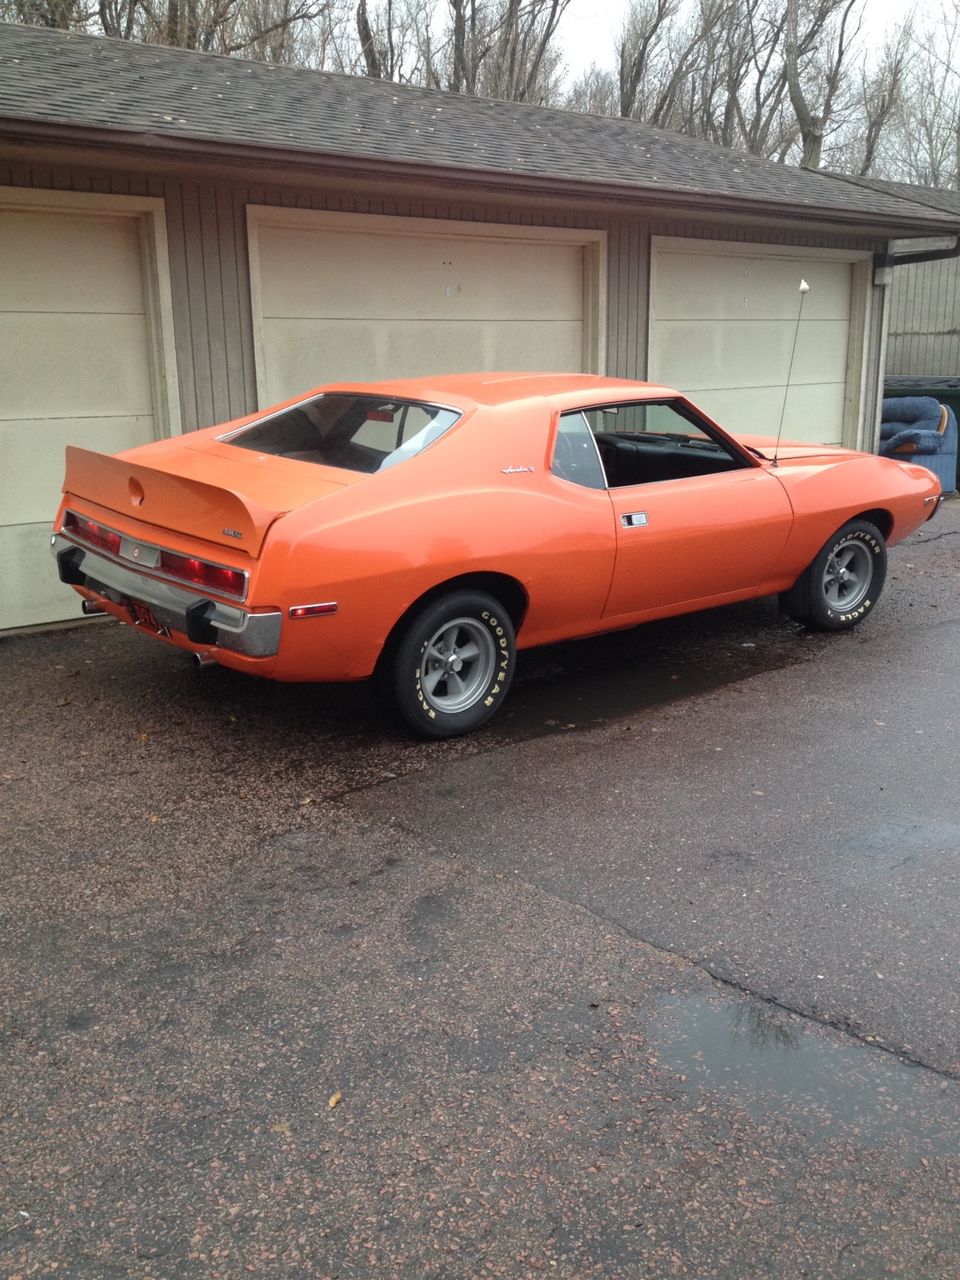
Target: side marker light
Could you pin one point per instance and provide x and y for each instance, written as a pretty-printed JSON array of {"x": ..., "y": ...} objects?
[{"x": 313, "y": 610}]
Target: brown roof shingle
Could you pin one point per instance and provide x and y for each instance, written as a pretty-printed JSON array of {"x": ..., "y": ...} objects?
[{"x": 151, "y": 96}]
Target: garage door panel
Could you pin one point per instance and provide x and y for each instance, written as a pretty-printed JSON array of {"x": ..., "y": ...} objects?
[
  {"x": 810, "y": 411},
  {"x": 33, "y": 454},
  {"x": 310, "y": 274},
  {"x": 748, "y": 353},
  {"x": 88, "y": 264},
  {"x": 723, "y": 326},
  {"x": 301, "y": 354},
  {"x": 74, "y": 365},
  {"x": 32, "y": 592},
  {"x": 735, "y": 287}
]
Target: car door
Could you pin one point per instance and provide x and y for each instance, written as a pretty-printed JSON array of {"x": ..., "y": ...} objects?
[{"x": 695, "y": 520}]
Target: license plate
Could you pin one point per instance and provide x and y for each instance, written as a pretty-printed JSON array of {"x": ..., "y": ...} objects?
[{"x": 141, "y": 616}]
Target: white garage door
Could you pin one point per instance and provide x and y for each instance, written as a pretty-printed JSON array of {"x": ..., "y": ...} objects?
[
  {"x": 722, "y": 328},
  {"x": 75, "y": 368},
  {"x": 339, "y": 297}
]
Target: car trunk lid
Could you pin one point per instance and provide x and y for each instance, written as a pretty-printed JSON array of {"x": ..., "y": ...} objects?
[{"x": 205, "y": 493}]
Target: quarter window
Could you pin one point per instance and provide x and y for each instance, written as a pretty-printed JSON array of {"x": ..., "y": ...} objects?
[{"x": 575, "y": 456}]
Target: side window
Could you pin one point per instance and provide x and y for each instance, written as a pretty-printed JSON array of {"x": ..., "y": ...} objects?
[
  {"x": 650, "y": 441},
  {"x": 575, "y": 456}
]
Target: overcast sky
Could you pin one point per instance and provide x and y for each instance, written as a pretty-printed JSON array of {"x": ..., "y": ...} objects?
[{"x": 589, "y": 28}]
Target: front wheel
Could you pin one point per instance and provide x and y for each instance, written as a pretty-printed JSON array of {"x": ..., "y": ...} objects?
[
  {"x": 454, "y": 663},
  {"x": 843, "y": 583}
]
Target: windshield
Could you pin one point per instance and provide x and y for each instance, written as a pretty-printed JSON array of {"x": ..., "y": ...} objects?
[{"x": 355, "y": 433}]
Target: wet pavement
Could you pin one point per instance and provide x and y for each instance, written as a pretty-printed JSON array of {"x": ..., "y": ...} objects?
[{"x": 656, "y": 976}]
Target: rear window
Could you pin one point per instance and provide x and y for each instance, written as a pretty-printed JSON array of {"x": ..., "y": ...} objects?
[{"x": 356, "y": 433}]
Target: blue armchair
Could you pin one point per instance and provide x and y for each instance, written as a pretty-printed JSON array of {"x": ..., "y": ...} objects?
[{"x": 920, "y": 429}]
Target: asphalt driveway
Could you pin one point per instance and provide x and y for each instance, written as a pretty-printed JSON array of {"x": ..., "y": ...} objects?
[{"x": 657, "y": 976}]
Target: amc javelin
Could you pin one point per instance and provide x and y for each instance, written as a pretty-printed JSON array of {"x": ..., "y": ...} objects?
[{"x": 423, "y": 530}]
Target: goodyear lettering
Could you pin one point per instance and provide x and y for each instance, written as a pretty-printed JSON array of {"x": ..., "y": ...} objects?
[{"x": 859, "y": 537}]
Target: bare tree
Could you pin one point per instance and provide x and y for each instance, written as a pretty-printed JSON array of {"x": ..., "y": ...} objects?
[
  {"x": 823, "y": 44},
  {"x": 594, "y": 93},
  {"x": 118, "y": 18},
  {"x": 61, "y": 15},
  {"x": 470, "y": 41},
  {"x": 385, "y": 39},
  {"x": 920, "y": 141},
  {"x": 522, "y": 62},
  {"x": 221, "y": 26},
  {"x": 859, "y": 145},
  {"x": 751, "y": 74},
  {"x": 643, "y": 47},
  {"x": 499, "y": 48}
]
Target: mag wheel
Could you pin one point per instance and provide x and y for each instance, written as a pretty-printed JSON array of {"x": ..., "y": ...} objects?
[
  {"x": 454, "y": 664},
  {"x": 844, "y": 582}
]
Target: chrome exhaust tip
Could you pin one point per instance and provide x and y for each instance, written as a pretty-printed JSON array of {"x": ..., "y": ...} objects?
[
  {"x": 202, "y": 660},
  {"x": 90, "y": 607}
]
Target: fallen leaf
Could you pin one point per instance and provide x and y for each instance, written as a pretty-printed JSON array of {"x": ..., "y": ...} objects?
[{"x": 335, "y": 1098}]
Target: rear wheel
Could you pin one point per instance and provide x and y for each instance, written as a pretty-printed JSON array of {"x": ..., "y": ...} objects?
[
  {"x": 454, "y": 663},
  {"x": 843, "y": 583}
]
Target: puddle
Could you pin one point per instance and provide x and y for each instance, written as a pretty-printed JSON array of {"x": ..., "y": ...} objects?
[{"x": 774, "y": 1063}]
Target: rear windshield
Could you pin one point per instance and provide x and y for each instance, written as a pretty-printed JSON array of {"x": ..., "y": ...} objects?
[{"x": 356, "y": 433}]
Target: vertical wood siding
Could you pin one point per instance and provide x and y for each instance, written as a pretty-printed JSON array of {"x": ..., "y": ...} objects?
[
  {"x": 924, "y": 336},
  {"x": 209, "y": 265}
]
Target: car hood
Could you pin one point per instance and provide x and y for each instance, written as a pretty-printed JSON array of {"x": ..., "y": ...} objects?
[
  {"x": 201, "y": 488},
  {"x": 796, "y": 450}
]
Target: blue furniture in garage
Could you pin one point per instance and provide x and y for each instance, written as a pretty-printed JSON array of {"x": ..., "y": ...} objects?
[{"x": 921, "y": 429}]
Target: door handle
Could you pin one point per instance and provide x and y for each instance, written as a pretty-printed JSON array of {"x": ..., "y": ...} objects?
[{"x": 633, "y": 519}]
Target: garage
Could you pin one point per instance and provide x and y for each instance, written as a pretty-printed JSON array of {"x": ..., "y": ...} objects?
[
  {"x": 341, "y": 297},
  {"x": 204, "y": 236},
  {"x": 80, "y": 359},
  {"x": 722, "y": 323}
]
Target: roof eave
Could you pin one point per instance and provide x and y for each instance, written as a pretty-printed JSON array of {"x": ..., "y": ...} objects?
[{"x": 20, "y": 130}]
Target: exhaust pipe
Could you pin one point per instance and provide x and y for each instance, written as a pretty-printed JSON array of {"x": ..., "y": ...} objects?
[
  {"x": 202, "y": 660},
  {"x": 90, "y": 607}
]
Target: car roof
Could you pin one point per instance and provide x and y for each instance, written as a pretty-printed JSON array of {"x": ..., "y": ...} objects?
[{"x": 504, "y": 387}]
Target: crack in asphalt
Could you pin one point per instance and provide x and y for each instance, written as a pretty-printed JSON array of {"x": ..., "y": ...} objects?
[
  {"x": 918, "y": 540},
  {"x": 839, "y": 1025}
]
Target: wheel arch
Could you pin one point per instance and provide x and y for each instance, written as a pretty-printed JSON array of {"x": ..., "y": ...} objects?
[
  {"x": 879, "y": 517},
  {"x": 501, "y": 586}
]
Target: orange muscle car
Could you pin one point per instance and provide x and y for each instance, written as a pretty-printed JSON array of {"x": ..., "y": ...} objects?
[{"x": 422, "y": 530}]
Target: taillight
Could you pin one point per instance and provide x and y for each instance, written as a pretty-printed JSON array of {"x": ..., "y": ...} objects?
[
  {"x": 227, "y": 582},
  {"x": 96, "y": 534}
]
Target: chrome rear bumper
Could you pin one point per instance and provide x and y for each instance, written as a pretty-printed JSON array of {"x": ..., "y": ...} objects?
[{"x": 202, "y": 620}]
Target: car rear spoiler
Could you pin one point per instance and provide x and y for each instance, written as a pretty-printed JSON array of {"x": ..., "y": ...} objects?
[{"x": 169, "y": 501}]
